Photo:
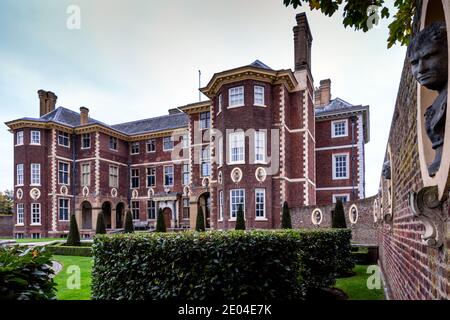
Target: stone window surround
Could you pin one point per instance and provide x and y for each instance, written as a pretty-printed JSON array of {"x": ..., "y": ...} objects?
[
  {"x": 333, "y": 128},
  {"x": 347, "y": 175}
]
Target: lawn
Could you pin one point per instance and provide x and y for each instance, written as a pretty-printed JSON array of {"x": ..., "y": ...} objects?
[
  {"x": 65, "y": 292},
  {"x": 356, "y": 286}
]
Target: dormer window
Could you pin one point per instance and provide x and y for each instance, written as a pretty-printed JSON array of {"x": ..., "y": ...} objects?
[
  {"x": 236, "y": 97},
  {"x": 258, "y": 96}
]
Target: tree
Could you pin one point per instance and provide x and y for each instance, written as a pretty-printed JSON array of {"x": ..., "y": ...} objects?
[
  {"x": 101, "y": 226},
  {"x": 200, "y": 223},
  {"x": 240, "y": 220},
  {"x": 160, "y": 222},
  {"x": 363, "y": 14},
  {"x": 73, "y": 239},
  {"x": 338, "y": 216},
  {"x": 286, "y": 222},
  {"x": 129, "y": 227},
  {"x": 6, "y": 202}
]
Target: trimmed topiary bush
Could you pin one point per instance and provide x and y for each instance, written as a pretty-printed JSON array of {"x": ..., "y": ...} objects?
[
  {"x": 286, "y": 217},
  {"x": 200, "y": 222},
  {"x": 101, "y": 226},
  {"x": 129, "y": 227},
  {"x": 235, "y": 265},
  {"x": 73, "y": 239},
  {"x": 25, "y": 274},
  {"x": 240, "y": 219},
  {"x": 62, "y": 249},
  {"x": 338, "y": 216},
  {"x": 160, "y": 222}
]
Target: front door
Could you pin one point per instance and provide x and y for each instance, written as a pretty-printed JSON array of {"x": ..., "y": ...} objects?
[{"x": 167, "y": 212}]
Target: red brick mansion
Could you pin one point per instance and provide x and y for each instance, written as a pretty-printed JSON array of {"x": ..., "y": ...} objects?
[{"x": 264, "y": 137}]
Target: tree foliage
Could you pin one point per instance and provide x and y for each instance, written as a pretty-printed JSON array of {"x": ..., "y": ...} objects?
[
  {"x": 363, "y": 14},
  {"x": 286, "y": 222},
  {"x": 73, "y": 239},
  {"x": 6, "y": 202},
  {"x": 240, "y": 220},
  {"x": 200, "y": 223},
  {"x": 101, "y": 226},
  {"x": 129, "y": 228},
  {"x": 160, "y": 223},
  {"x": 338, "y": 216}
]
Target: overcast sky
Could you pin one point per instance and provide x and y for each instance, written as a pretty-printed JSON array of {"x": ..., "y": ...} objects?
[{"x": 137, "y": 58}]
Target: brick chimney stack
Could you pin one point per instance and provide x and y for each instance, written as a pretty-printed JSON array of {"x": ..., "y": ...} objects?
[
  {"x": 322, "y": 95},
  {"x": 47, "y": 102},
  {"x": 302, "y": 43},
  {"x": 84, "y": 116}
]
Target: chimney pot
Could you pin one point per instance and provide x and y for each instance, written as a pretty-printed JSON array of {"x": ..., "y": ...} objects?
[
  {"x": 84, "y": 116},
  {"x": 323, "y": 94}
]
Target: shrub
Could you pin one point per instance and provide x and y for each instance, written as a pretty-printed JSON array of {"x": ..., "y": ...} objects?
[
  {"x": 344, "y": 258},
  {"x": 200, "y": 222},
  {"x": 73, "y": 239},
  {"x": 129, "y": 227},
  {"x": 235, "y": 265},
  {"x": 286, "y": 217},
  {"x": 240, "y": 220},
  {"x": 101, "y": 226},
  {"x": 61, "y": 249},
  {"x": 160, "y": 223},
  {"x": 25, "y": 274},
  {"x": 338, "y": 216}
]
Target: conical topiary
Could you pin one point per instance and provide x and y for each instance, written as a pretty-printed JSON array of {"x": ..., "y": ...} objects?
[
  {"x": 160, "y": 223},
  {"x": 338, "y": 216},
  {"x": 129, "y": 227},
  {"x": 73, "y": 239},
  {"x": 200, "y": 223},
  {"x": 286, "y": 222},
  {"x": 240, "y": 220},
  {"x": 101, "y": 227}
]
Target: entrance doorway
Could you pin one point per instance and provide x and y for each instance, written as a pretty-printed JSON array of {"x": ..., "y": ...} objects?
[{"x": 86, "y": 216}]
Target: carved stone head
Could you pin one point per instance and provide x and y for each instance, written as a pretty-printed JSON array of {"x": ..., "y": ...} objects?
[
  {"x": 428, "y": 56},
  {"x": 387, "y": 170}
]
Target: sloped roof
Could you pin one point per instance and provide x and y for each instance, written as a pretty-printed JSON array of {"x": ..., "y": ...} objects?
[
  {"x": 168, "y": 122},
  {"x": 259, "y": 64},
  {"x": 335, "y": 105}
]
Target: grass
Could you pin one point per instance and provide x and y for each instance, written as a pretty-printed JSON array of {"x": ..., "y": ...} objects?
[
  {"x": 356, "y": 286},
  {"x": 66, "y": 293},
  {"x": 28, "y": 240}
]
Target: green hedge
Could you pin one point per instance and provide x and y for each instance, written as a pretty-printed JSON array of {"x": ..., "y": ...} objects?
[
  {"x": 25, "y": 274},
  {"x": 235, "y": 265},
  {"x": 85, "y": 250}
]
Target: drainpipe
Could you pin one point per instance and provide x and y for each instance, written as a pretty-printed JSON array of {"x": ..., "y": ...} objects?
[
  {"x": 353, "y": 120},
  {"x": 74, "y": 170}
]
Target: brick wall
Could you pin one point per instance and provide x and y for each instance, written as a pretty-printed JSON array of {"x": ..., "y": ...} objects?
[
  {"x": 6, "y": 226},
  {"x": 363, "y": 231},
  {"x": 411, "y": 270}
]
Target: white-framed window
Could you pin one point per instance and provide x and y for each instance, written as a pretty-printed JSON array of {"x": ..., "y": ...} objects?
[
  {"x": 220, "y": 151},
  {"x": 35, "y": 213},
  {"x": 151, "y": 145},
  {"x": 167, "y": 144},
  {"x": 135, "y": 209},
  {"x": 35, "y": 235},
  {"x": 35, "y": 137},
  {"x": 63, "y": 139},
  {"x": 340, "y": 166},
  {"x": 168, "y": 176},
  {"x": 260, "y": 203},
  {"x": 258, "y": 95},
  {"x": 20, "y": 212},
  {"x": 113, "y": 176},
  {"x": 186, "y": 208},
  {"x": 260, "y": 147},
  {"x": 85, "y": 174},
  {"x": 86, "y": 141},
  {"x": 63, "y": 173},
  {"x": 151, "y": 177},
  {"x": 186, "y": 172},
  {"x": 19, "y": 138},
  {"x": 205, "y": 120},
  {"x": 134, "y": 178},
  {"x": 221, "y": 205},
  {"x": 185, "y": 141},
  {"x": 237, "y": 198},
  {"x": 205, "y": 157},
  {"x": 19, "y": 174},
  {"x": 64, "y": 205},
  {"x": 113, "y": 145},
  {"x": 35, "y": 174},
  {"x": 134, "y": 148},
  {"x": 151, "y": 210},
  {"x": 237, "y": 147},
  {"x": 219, "y": 104},
  {"x": 339, "y": 128},
  {"x": 343, "y": 197},
  {"x": 236, "y": 97}
]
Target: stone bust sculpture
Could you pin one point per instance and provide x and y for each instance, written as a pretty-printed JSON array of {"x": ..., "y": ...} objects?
[
  {"x": 428, "y": 56},
  {"x": 387, "y": 170}
]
